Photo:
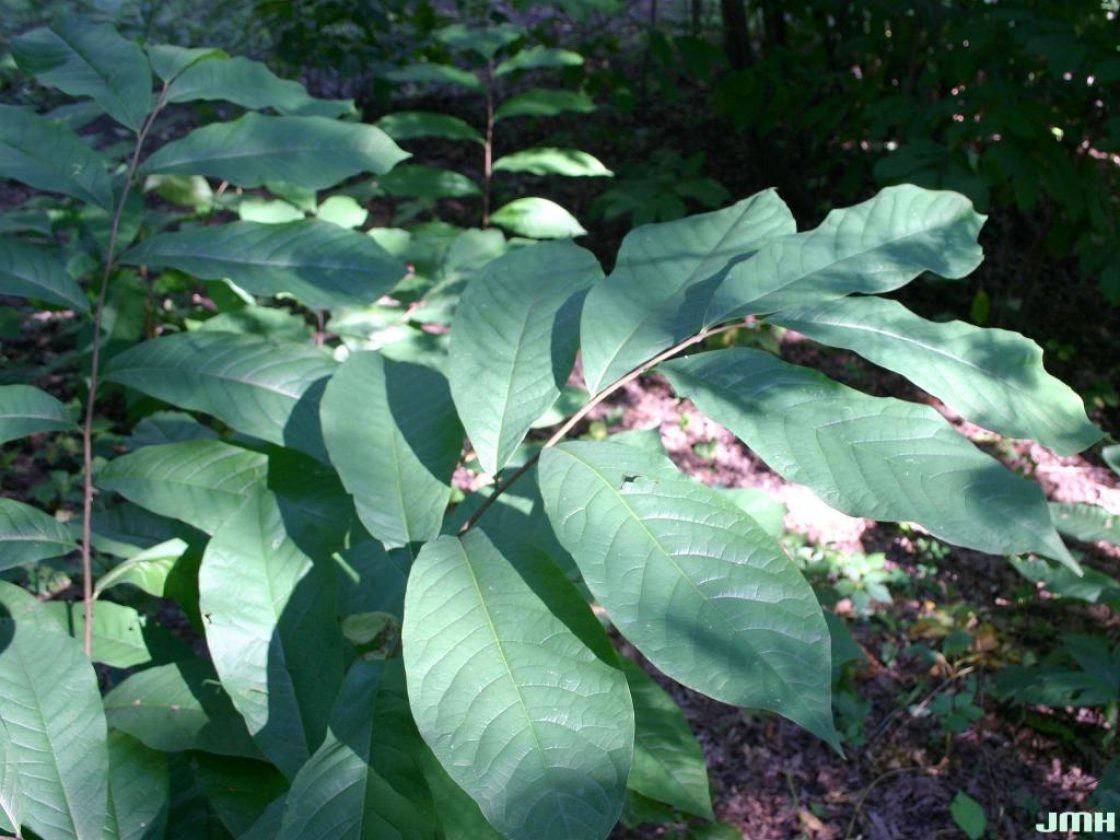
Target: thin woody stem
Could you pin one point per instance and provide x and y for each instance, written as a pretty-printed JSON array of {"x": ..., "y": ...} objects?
[
  {"x": 95, "y": 360},
  {"x": 586, "y": 409}
]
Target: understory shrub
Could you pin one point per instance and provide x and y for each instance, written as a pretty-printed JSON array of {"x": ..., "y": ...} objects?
[{"x": 288, "y": 620}]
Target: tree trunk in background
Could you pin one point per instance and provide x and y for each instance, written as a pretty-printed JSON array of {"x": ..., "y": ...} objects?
[{"x": 736, "y": 39}]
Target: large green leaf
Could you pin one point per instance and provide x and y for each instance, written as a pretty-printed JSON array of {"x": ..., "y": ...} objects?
[
  {"x": 27, "y": 535},
  {"x": 537, "y": 218},
  {"x": 394, "y": 438},
  {"x": 551, "y": 161},
  {"x": 668, "y": 763},
  {"x": 27, "y": 271},
  {"x": 49, "y": 156},
  {"x": 27, "y": 411},
  {"x": 428, "y": 183},
  {"x": 51, "y": 708},
  {"x": 83, "y": 59},
  {"x": 139, "y": 789},
  {"x": 659, "y": 290},
  {"x": 200, "y": 482},
  {"x": 408, "y": 125},
  {"x": 522, "y": 715},
  {"x": 875, "y": 246},
  {"x": 542, "y": 102},
  {"x": 178, "y": 707},
  {"x": 322, "y": 265},
  {"x": 868, "y": 456},
  {"x": 312, "y": 152},
  {"x": 263, "y": 388},
  {"x": 271, "y": 629},
  {"x": 365, "y": 782},
  {"x": 458, "y": 814},
  {"x": 696, "y": 584},
  {"x": 514, "y": 340},
  {"x": 995, "y": 378},
  {"x": 250, "y": 84}
]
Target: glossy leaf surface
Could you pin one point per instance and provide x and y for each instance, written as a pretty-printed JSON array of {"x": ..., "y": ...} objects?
[
  {"x": 523, "y": 716},
  {"x": 658, "y": 293},
  {"x": 995, "y": 378},
  {"x": 311, "y": 152},
  {"x": 513, "y": 342},
  {"x": 320, "y": 264},
  {"x": 263, "y": 388},
  {"x": 394, "y": 438},
  {"x": 876, "y": 457},
  {"x": 697, "y": 585}
]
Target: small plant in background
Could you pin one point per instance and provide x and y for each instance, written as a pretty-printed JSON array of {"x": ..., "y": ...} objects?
[
  {"x": 660, "y": 192},
  {"x": 500, "y": 57}
]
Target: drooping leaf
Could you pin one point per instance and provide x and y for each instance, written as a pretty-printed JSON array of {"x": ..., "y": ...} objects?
[
  {"x": 427, "y": 182},
  {"x": 537, "y": 218},
  {"x": 408, "y": 125},
  {"x": 201, "y": 482},
  {"x": 250, "y": 84},
  {"x": 147, "y": 571},
  {"x": 191, "y": 817},
  {"x": 1087, "y": 523},
  {"x": 320, "y": 264},
  {"x": 121, "y": 636},
  {"x": 514, "y": 340},
  {"x": 995, "y": 378},
  {"x": 49, "y": 156},
  {"x": 28, "y": 535},
  {"x": 178, "y": 707},
  {"x": 876, "y": 246},
  {"x": 51, "y": 708},
  {"x": 524, "y": 717},
  {"x": 312, "y": 152},
  {"x": 697, "y": 585},
  {"x": 668, "y": 763},
  {"x": 431, "y": 73},
  {"x": 239, "y": 790},
  {"x": 365, "y": 782},
  {"x": 659, "y": 290},
  {"x": 543, "y": 102},
  {"x": 551, "y": 161},
  {"x": 535, "y": 58},
  {"x": 25, "y": 410},
  {"x": 85, "y": 59},
  {"x": 271, "y": 629},
  {"x": 139, "y": 789},
  {"x": 263, "y": 388},
  {"x": 168, "y": 427},
  {"x": 876, "y": 457},
  {"x": 27, "y": 271},
  {"x": 394, "y": 438},
  {"x": 168, "y": 61}
]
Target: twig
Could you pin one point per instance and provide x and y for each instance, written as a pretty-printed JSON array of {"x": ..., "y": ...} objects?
[
  {"x": 95, "y": 359},
  {"x": 571, "y": 422}
]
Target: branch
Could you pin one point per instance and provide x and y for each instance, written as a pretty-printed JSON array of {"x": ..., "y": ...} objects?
[
  {"x": 95, "y": 360},
  {"x": 586, "y": 409}
]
